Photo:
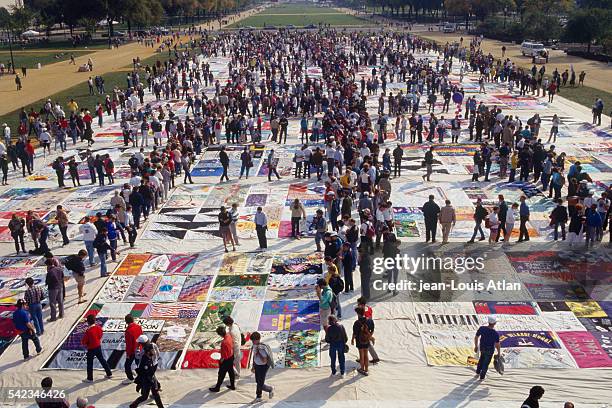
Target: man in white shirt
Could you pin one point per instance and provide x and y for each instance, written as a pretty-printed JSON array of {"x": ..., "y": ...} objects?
[
  {"x": 261, "y": 225},
  {"x": 364, "y": 151},
  {"x": 135, "y": 181},
  {"x": 299, "y": 161},
  {"x": 89, "y": 232},
  {"x": 140, "y": 157},
  {"x": 7, "y": 134}
]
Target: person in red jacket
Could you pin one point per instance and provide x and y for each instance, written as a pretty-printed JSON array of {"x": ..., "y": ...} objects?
[
  {"x": 132, "y": 332},
  {"x": 226, "y": 363},
  {"x": 91, "y": 340}
]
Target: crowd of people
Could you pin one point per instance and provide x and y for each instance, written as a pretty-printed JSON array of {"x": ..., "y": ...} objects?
[{"x": 341, "y": 143}]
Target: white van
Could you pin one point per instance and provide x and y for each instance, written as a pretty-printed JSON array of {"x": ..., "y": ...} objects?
[
  {"x": 449, "y": 28},
  {"x": 531, "y": 48}
]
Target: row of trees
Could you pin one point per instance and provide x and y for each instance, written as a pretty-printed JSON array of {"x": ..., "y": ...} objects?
[
  {"x": 581, "y": 21},
  {"x": 87, "y": 13}
]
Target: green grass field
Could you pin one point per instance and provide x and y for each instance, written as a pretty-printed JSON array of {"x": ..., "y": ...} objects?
[
  {"x": 586, "y": 95},
  {"x": 300, "y": 15},
  {"x": 57, "y": 45},
  {"x": 80, "y": 93},
  {"x": 30, "y": 59}
]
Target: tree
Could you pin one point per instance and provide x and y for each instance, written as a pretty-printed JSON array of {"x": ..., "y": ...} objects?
[
  {"x": 47, "y": 13},
  {"x": 586, "y": 26},
  {"x": 459, "y": 8},
  {"x": 540, "y": 26}
]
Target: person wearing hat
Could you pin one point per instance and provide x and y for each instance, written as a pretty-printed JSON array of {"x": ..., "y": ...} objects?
[
  {"x": 487, "y": 341},
  {"x": 146, "y": 381},
  {"x": 142, "y": 341},
  {"x": 25, "y": 329}
]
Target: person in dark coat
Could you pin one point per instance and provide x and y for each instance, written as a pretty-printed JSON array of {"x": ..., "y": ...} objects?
[
  {"x": 558, "y": 218},
  {"x": 430, "y": 213},
  {"x": 146, "y": 381}
]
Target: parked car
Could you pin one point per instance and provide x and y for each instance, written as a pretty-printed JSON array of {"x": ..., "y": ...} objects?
[
  {"x": 531, "y": 49},
  {"x": 310, "y": 26},
  {"x": 449, "y": 28}
]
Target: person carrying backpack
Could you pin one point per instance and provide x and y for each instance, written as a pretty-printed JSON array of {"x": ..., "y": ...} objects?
[
  {"x": 363, "y": 329},
  {"x": 263, "y": 360}
]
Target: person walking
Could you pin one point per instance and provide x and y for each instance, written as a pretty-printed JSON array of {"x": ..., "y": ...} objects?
[
  {"x": 524, "y": 217},
  {"x": 480, "y": 214},
  {"x": 428, "y": 162},
  {"x": 55, "y": 287},
  {"x": 363, "y": 330},
  {"x": 92, "y": 342},
  {"x": 226, "y": 362},
  {"x": 336, "y": 337},
  {"x": 272, "y": 162},
  {"x": 263, "y": 360},
  {"x": 89, "y": 232},
  {"x": 261, "y": 226},
  {"x": 25, "y": 329},
  {"x": 448, "y": 219},
  {"x": 74, "y": 263},
  {"x": 486, "y": 341},
  {"x": 234, "y": 330},
  {"x": 33, "y": 296},
  {"x": 132, "y": 332},
  {"x": 430, "y": 213},
  {"x": 17, "y": 227},
  {"x": 146, "y": 380}
]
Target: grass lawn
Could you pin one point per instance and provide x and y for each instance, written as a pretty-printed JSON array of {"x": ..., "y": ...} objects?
[
  {"x": 300, "y": 15},
  {"x": 585, "y": 95},
  {"x": 30, "y": 59},
  {"x": 80, "y": 93},
  {"x": 57, "y": 45},
  {"x": 298, "y": 9}
]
